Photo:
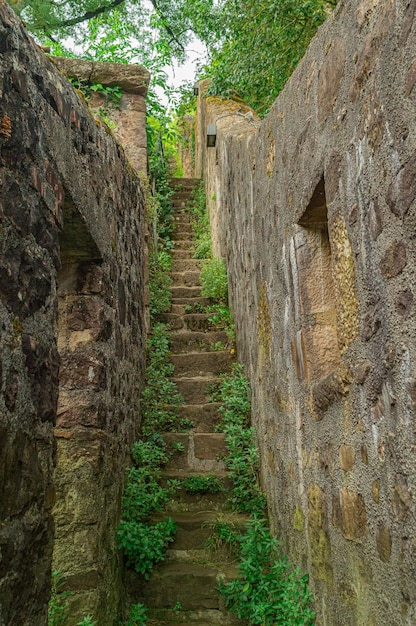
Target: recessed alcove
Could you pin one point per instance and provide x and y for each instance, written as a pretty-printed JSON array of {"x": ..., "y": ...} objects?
[{"x": 317, "y": 332}]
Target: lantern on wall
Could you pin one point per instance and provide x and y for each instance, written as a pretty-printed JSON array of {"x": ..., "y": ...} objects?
[{"x": 211, "y": 135}]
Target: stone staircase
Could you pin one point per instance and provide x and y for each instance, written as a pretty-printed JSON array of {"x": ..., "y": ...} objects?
[{"x": 183, "y": 589}]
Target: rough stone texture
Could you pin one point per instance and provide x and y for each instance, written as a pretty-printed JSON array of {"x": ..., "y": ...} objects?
[
  {"x": 314, "y": 213},
  {"x": 129, "y": 117},
  {"x": 71, "y": 312}
]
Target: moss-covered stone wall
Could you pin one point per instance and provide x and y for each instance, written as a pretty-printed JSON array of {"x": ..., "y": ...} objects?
[
  {"x": 314, "y": 213},
  {"x": 72, "y": 336}
]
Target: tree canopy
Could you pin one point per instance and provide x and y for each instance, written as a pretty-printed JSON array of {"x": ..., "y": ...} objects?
[{"x": 253, "y": 45}]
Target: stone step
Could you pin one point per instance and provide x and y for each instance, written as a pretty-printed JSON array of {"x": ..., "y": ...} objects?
[
  {"x": 184, "y": 228},
  {"x": 195, "y": 390},
  {"x": 201, "y": 452},
  {"x": 182, "y": 254},
  {"x": 187, "y": 278},
  {"x": 182, "y": 242},
  {"x": 204, "y": 416},
  {"x": 192, "y": 301},
  {"x": 192, "y": 585},
  {"x": 185, "y": 292},
  {"x": 192, "y": 341},
  {"x": 182, "y": 217},
  {"x": 192, "y": 321},
  {"x": 183, "y": 183},
  {"x": 193, "y": 530},
  {"x": 186, "y": 265},
  {"x": 201, "y": 363},
  {"x": 166, "y": 617}
]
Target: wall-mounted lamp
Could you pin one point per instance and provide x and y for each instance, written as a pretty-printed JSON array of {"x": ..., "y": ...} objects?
[
  {"x": 196, "y": 89},
  {"x": 211, "y": 135}
]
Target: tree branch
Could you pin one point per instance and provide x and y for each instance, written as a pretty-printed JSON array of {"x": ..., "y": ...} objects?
[
  {"x": 166, "y": 25},
  {"x": 88, "y": 15}
]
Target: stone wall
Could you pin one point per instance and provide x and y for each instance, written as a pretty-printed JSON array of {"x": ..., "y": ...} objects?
[
  {"x": 71, "y": 315},
  {"x": 315, "y": 213}
]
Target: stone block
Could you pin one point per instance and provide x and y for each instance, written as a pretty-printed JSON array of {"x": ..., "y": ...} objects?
[
  {"x": 349, "y": 514},
  {"x": 318, "y": 534},
  {"x": 347, "y": 457},
  {"x": 383, "y": 542},
  {"x": 395, "y": 259}
]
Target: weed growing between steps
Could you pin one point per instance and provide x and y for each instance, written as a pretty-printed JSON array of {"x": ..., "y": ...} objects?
[
  {"x": 144, "y": 543},
  {"x": 200, "y": 223},
  {"x": 269, "y": 590},
  {"x": 142, "y": 540},
  {"x": 160, "y": 399},
  {"x": 202, "y": 484},
  {"x": 242, "y": 460}
]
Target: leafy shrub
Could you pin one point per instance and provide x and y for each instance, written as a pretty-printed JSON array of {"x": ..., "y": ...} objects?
[
  {"x": 137, "y": 616},
  {"x": 269, "y": 590},
  {"x": 242, "y": 459},
  {"x": 160, "y": 400},
  {"x": 202, "y": 484},
  {"x": 142, "y": 542},
  {"x": 57, "y": 608},
  {"x": 159, "y": 282},
  {"x": 214, "y": 280}
]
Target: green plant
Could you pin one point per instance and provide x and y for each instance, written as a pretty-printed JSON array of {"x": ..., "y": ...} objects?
[
  {"x": 224, "y": 536},
  {"x": 200, "y": 223},
  {"x": 202, "y": 484},
  {"x": 197, "y": 307},
  {"x": 137, "y": 616},
  {"x": 222, "y": 317},
  {"x": 160, "y": 400},
  {"x": 214, "y": 280},
  {"x": 242, "y": 458},
  {"x": 87, "y": 621},
  {"x": 144, "y": 543},
  {"x": 269, "y": 590},
  {"x": 177, "y": 607},
  {"x": 217, "y": 346},
  {"x": 57, "y": 608}
]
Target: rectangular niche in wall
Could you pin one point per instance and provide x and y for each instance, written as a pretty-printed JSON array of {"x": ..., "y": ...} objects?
[{"x": 317, "y": 339}]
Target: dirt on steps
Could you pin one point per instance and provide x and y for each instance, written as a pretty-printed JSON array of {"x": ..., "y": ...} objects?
[{"x": 183, "y": 589}]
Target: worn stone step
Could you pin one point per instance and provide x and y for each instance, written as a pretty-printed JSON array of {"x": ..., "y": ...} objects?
[
  {"x": 182, "y": 241},
  {"x": 188, "y": 278},
  {"x": 184, "y": 228},
  {"x": 191, "y": 341},
  {"x": 182, "y": 217},
  {"x": 183, "y": 183},
  {"x": 184, "y": 501},
  {"x": 182, "y": 254},
  {"x": 194, "y": 586},
  {"x": 167, "y": 617},
  {"x": 194, "y": 528},
  {"x": 195, "y": 390},
  {"x": 204, "y": 416},
  {"x": 192, "y": 301},
  {"x": 186, "y": 265},
  {"x": 201, "y": 363},
  {"x": 185, "y": 292},
  {"x": 201, "y": 452}
]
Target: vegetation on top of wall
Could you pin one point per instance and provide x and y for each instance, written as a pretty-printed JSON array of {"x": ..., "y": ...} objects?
[{"x": 259, "y": 46}]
